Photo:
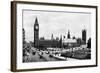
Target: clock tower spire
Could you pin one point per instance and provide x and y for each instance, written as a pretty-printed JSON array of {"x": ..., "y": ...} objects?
[{"x": 36, "y": 33}]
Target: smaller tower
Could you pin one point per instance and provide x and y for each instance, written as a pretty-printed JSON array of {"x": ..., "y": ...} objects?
[
  {"x": 84, "y": 36},
  {"x": 60, "y": 41},
  {"x": 52, "y": 37},
  {"x": 68, "y": 36},
  {"x": 23, "y": 36}
]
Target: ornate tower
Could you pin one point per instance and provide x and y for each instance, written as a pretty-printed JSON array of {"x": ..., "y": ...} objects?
[
  {"x": 68, "y": 36},
  {"x": 36, "y": 33},
  {"x": 84, "y": 35},
  {"x": 23, "y": 36},
  {"x": 52, "y": 37},
  {"x": 60, "y": 42}
]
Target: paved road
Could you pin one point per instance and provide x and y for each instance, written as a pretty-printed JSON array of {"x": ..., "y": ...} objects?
[
  {"x": 36, "y": 58},
  {"x": 45, "y": 57}
]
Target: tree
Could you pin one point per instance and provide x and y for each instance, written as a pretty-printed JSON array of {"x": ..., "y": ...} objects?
[{"x": 89, "y": 43}]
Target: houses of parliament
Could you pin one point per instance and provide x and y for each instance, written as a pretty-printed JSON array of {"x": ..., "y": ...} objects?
[{"x": 58, "y": 42}]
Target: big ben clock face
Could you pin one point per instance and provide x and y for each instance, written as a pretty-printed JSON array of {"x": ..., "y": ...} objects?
[{"x": 36, "y": 27}]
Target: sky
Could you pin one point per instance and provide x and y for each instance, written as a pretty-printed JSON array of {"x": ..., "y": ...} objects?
[{"x": 56, "y": 23}]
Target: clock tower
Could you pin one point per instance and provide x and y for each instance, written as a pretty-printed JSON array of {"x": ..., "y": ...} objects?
[{"x": 36, "y": 33}]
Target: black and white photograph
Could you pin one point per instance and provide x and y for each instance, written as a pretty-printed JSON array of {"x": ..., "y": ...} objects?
[
  {"x": 56, "y": 36},
  {"x": 53, "y": 36}
]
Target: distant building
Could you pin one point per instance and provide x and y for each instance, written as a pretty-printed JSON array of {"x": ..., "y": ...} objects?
[
  {"x": 84, "y": 36},
  {"x": 57, "y": 38},
  {"x": 69, "y": 42},
  {"x": 49, "y": 43},
  {"x": 42, "y": 38},
  {"x": 80, "y": 41}
]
